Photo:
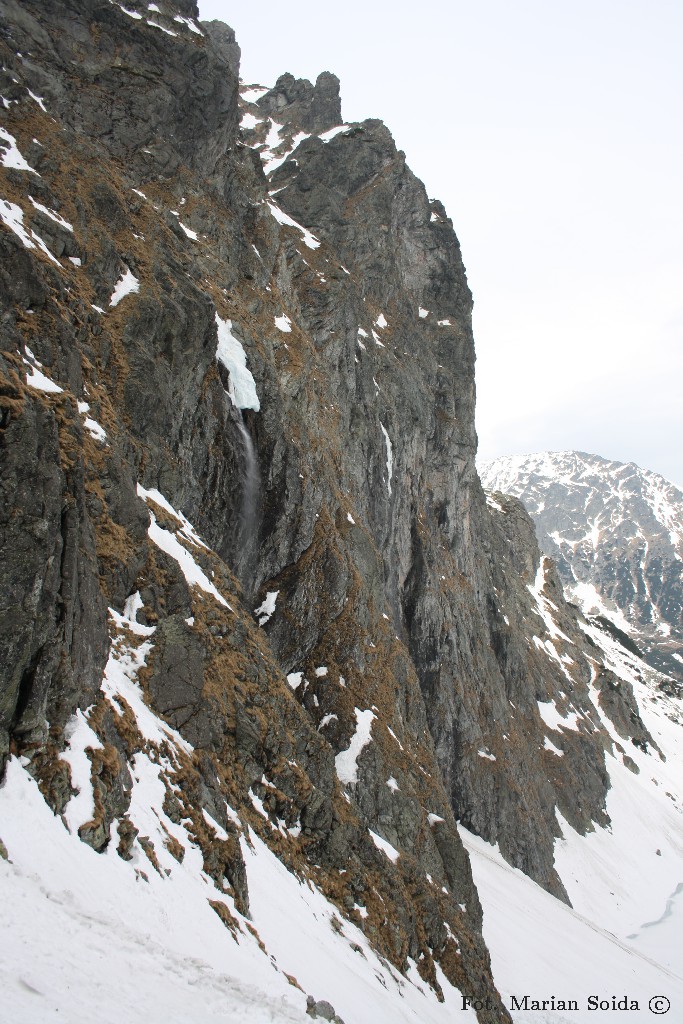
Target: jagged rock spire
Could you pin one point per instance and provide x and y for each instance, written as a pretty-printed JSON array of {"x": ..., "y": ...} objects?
[{"x": 315, "y": 108}]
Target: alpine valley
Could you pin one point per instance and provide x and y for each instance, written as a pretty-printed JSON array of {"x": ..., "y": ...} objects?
[{"x": 294, "y": 721}]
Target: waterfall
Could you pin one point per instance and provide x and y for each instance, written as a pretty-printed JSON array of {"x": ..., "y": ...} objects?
[
  {"x": 240, "y": 388},
  {"x": 250, "y": 513}
]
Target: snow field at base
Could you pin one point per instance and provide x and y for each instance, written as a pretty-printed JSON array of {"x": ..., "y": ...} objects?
[
  {"x": 626, "y": 876},
  {"x": 85, "y": 938},
  {"x": 89, "y": 932},
  {"x": 542, "y": 948},
  {"x": 89, "y": 936},
  {"x": 625, "y": 931},
  {"x": 294, "y": 920}
]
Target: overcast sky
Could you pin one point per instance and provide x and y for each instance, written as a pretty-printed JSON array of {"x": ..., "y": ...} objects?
[{"x": 551, "y": 131}]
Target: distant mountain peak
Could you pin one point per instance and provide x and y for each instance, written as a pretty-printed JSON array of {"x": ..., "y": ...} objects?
[{"x": 616, "y": 533}]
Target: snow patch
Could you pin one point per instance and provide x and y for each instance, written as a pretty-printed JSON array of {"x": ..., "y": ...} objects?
[
  {"x": 95, "y": 429},
  {"x": 266, "y": 610},
  {"x": 127, "y": 284},
  {"x": 187, "y": 530},
  {"x": 346, "y": 762},
  {"x": 282, "y": 218},
  {"x": 283, "y": 323},
  {"x": 131, "y": 14},
  {"x": 332, "y": 133},
  {"x": 386, "y": 848},
  {"x": 38, "y": 380},
  {"x": 11, "y": 156},
  {"x": 254, "y": 93},
  {"x": 79, "y": 735},
  {"x": 492, "y": 503},
  {"x": 230, "y": 353},
  {"x": 555, "y": 720},
  {"x": 188, "y": 231},
  {"x": 12, "y": 216},
  {"x": 189, "y": 23},
  {"x": 169, "y": 543},
  {"x": 52, "y": 215},
  {"x": 195, "y": 576},
  {"x": 248, "y": 121}
]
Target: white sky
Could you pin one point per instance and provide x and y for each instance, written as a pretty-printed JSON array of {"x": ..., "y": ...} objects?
[{"x": 551, "y": 131}]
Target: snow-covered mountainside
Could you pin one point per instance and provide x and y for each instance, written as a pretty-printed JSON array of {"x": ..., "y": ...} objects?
[
  {"x": 616, "y": 534},
  {"x": 286, "y": 706},
  {"x": 156, "y": 935}
]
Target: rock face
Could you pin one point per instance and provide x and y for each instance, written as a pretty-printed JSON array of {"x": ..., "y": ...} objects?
[
  {"x": 411, "y": 649},
  {"x": 616, "y": 534}
]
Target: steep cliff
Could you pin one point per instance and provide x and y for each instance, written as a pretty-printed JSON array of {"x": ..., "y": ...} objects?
[{"x": 239, "y": 494}]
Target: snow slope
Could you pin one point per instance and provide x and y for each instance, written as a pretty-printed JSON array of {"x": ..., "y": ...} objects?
[
  {"x": 623, "y": 935},
  {"x": 92, "y": 932},
  {"x": 86, "y": 937}
]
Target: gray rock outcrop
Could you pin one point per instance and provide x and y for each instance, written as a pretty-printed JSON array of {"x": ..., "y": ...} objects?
[{"x": 315, "y": 108}]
